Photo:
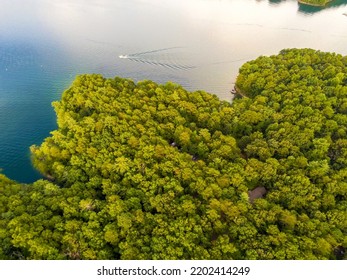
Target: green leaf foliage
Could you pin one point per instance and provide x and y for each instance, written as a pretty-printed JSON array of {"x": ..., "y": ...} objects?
[{"x": 148, "y": 171}]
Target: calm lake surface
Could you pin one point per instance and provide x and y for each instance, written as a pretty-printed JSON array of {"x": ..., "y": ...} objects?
[{"x": 200, "y": 44}]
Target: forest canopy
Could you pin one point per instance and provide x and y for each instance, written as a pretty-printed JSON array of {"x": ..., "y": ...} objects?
[{"x": 148, "y": 171}]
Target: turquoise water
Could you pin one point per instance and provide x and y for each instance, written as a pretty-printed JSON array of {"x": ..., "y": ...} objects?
[{"x": 200, "y": 44}]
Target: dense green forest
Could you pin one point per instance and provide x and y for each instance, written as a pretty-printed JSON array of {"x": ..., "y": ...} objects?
[{"x": 148, "y": 171}]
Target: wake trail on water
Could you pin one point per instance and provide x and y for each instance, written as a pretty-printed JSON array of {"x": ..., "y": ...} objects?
[
  {"x": 163, "y": 64},
  {"x": 154, "y": 51},
  {"x": 163, "y": 58},
  {"x": 159, "y": 57}
]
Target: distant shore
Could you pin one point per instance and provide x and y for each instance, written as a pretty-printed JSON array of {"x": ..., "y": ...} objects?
[{"x": 314, "y": 4}]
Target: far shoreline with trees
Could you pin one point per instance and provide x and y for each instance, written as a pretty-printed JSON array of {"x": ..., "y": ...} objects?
[{"x": 316, "y": 3}]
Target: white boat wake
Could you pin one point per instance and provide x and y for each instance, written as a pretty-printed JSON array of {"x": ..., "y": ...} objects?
[{"x": 159, "y": 57}]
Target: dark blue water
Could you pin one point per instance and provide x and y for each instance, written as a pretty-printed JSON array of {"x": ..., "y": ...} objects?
[
  {"x": 28, "y": 85},
  {"x": 200, "y": 44}
]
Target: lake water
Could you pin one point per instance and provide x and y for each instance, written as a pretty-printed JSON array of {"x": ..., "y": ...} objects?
[{"x": 200, "y": 44}]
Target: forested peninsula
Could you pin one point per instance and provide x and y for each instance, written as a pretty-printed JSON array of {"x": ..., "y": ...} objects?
[{"x": 148, "y": 171}]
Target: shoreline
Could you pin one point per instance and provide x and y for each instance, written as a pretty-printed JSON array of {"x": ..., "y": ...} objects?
[{"x": 314, "y": 4}]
